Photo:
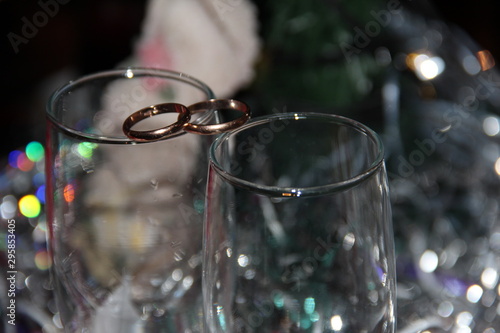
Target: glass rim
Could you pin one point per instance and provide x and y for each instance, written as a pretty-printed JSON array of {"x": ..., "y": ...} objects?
[
  {"x": 376, "y": 164},
  {"x": 124, "y": 72}
]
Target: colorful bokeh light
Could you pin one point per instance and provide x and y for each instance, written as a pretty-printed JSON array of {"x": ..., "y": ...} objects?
[
  {"x": 69, "y": 193},
  {"x": 40, "y": 194},
  {"x": 86, "y": 149},
  {"x": 39, "y": 179},
  {"x": 43, "y": 260},
  {"x": 24, "y": 163},
  {"x": 13, "y": 157},
  {"x": 19, "y": 160},
  {"x": 29, "y": 206},
  {"x": 35, "y": 151}
]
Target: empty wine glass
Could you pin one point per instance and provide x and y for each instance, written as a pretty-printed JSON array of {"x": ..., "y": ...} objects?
[
  {"x": 298, "y": 234},
  {"x": 125, "y": 217}
]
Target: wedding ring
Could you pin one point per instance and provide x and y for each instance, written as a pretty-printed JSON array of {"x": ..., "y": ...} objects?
[
  {"x": 217, "y": 105},
  {"x": 182, "y": 124},
  {"x": 160, "y": 133}
]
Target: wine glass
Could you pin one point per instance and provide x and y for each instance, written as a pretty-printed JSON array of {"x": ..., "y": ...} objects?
[
  {"x": 298, "y": 231},
  {"x": 125, "y": 217}
]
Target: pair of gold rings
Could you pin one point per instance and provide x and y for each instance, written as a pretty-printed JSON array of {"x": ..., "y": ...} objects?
[{"x": 183, "y": 123}]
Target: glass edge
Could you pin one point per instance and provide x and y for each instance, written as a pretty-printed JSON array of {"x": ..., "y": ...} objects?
[
  {"x": 142, "y": 71},
  {"x": 276, "y": 191}
]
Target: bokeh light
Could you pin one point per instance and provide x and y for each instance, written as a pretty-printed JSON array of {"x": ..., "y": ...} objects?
[
  {"x": 491, "y": 126},
  {"x": 464, "y": 319},
  {"x": 497, "y": 166},
  {"x": 86, "y": 149},
  {"x": 35, "y": 151},
  {"x": 305, "y": 323},
  {"x": 445, "y": 309},
  {"x": 42, "y": 260},
  {"x": 279, "y": 300},
  {"x": 39, "y": 179},
  {"x": 489, "y": 277},
  {"x": 69, "y": 193},
  {"x": 474, "y": 293},
  {"x": 24, "y": 163},
  {"x": 8, "y": 207},
  {"x": 309, "y": 305},
  {"x": 243, "y": 260},
  {"x": 429, "y": 261},
  {"x": 471, "y": 65},
  {"x": 40, "y": 194},
  {"x": 336, "y": 323},
  {"x": 424, "y": 66},
  {"x": 13, "y": 156},
  {"x": 29, "y": 206}
]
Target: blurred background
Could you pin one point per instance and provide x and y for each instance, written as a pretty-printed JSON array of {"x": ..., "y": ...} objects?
[
  {"x": 446, "y": 204},
  {"x": 92, "y": 35}
]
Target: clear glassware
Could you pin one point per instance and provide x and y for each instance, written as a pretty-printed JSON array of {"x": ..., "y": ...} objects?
[
  {"x": 298, "y": 234},
  {"x": 125, "y": 218}
]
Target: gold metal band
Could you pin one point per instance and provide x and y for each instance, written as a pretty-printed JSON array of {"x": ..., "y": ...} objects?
[
  {"x": 183, "y": 120},
  {"x": 220, "y": 105},
  {"x": 160, "y": 133}
]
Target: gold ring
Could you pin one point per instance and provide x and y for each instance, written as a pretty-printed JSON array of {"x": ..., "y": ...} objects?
[
  {"x": 160, "y": 133},
  {"x": 217, "y": 105}
]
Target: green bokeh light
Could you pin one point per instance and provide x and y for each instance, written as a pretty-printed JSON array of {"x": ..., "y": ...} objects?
[
  {"x": 35, "y": 151},
  {"x": 86, "y": 149},
  {"x": 279, "y": 300},
  {"x": 309, "y": 305}
]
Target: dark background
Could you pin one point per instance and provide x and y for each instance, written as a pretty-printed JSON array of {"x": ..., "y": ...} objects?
[{"x": 93, "y": 35}]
